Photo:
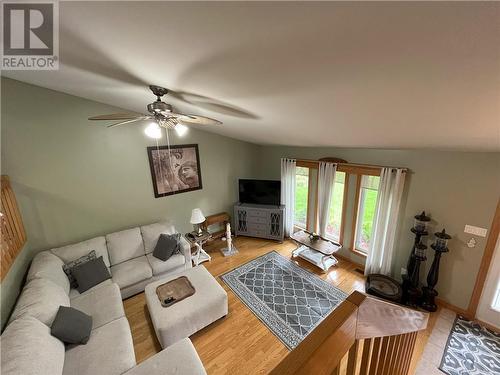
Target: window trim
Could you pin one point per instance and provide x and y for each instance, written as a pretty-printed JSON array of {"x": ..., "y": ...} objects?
[{"x": 353, "y": 248}]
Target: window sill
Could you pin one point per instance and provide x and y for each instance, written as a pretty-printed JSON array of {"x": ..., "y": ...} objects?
[{"x": 359, "y": 252}]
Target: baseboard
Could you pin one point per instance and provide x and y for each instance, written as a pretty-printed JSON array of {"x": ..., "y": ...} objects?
[
  {"x": 343, "y": 257},
  {"x": 453, "y": 308},
  {"x": 488, "y": 325}
]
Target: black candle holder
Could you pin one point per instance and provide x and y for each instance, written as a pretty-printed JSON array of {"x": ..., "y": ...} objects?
[
  {"x": 411, "y": 281},
  {"x": 429, "y": 293}
]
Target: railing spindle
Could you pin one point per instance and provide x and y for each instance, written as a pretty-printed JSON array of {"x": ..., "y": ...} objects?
[
  {"x": 352, "y": 358},
  {"x": 365, "y": 361}
]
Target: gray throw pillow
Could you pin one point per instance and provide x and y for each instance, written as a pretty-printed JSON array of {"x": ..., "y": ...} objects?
[
  {"x": 68, "y": 267},
  {"x": 71, "y": 326},
  {"x": 167, "y": 245},
  {"x": 90, "y": 274}
]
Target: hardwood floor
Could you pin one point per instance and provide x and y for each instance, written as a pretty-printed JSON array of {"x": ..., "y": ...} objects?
[{"x": 239, "y": 343}]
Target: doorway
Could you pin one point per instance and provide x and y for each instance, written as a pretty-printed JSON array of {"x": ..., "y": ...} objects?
[{"x": 488, "y": 310}]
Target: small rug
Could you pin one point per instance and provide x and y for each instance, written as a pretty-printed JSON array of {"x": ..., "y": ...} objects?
[
  {"x": 288, "y": 299},
  {"x": 471, "y": 350}
]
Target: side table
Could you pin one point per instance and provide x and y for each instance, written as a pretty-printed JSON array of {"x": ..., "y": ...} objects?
[{"x": 197, "y": 241}]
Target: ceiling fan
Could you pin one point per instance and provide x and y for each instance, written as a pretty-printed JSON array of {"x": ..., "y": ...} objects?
[{"x": 161, "y": 113}]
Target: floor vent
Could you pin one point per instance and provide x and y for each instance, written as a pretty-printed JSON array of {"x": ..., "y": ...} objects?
[{"x": 359, "y": 270}]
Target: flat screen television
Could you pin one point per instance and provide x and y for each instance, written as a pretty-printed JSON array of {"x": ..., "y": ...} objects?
[{"x": 260, "y": 192}]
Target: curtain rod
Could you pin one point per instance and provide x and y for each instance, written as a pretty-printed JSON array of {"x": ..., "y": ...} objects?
[{"x": 355, "y": 165}]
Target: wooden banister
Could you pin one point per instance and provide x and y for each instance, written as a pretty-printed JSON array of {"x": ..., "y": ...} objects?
[
  {"x": 363, "y": 336},
  {"x": 12, "y": 228}
]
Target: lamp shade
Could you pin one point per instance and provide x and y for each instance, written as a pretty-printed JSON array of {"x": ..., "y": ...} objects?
[{"x": 197, "y": 216}]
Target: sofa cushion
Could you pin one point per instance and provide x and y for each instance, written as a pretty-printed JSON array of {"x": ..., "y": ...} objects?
[
  {"x": 180, "y": 358},
  {"x": 109, "y": 351},
  {"x": 103, "y": 303},
  {"x": 72, "y": 252},
  {"x": 71, "y": 326},
  {"x": 175, "y": 262},
  {"x": 40, "y": 299},
  {"x": 131, "y": 272},
  {"x": 124, "y": 245},
  {"x": 90, "y": 274},
  {"x": 74, "y": 293},
  {"x": 46, "y": 265},
  {"x": 28, "y": 348},
  {"x": 68, "y": 268},
  {"x": 151, "y": 233}
]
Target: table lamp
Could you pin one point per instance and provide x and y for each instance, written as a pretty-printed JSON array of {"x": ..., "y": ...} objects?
[{"x": 197, "y": 219}]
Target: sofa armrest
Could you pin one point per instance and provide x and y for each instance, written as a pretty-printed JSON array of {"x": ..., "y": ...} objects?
[
  {"x": 186, "y": 251},
  {"x": 177, "y": 359}
]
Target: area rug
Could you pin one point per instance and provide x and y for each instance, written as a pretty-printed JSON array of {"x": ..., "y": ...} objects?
[
  {"x": 288, "y": 299},
  {"x": 471, "y": 350}
]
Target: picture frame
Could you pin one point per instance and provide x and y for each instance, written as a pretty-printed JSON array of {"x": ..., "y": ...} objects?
[{"x": 174, "y": 169}]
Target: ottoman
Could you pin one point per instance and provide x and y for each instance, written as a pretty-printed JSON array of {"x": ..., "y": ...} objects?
[{"x": 182, "y": 319}]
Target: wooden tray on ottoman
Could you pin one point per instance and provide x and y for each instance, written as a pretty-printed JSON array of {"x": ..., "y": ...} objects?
[{"x": 178, "y": 289}]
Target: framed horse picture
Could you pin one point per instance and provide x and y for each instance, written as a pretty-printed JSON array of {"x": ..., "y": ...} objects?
[{"x": 174, "y": 169}]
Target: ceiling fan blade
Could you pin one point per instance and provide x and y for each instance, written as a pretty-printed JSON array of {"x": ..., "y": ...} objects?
[
  {"x": 115, "y": 116},
  {"x": 130, "y": 121},
  {"x": 200, "y": 120}
]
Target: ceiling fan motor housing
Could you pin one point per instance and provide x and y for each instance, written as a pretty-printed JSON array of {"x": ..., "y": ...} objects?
[{"x": 159, "y": 106}]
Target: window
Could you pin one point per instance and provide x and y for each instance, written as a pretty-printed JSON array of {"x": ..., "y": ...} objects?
[
  {"x": 334, "y": 226},
  {"x": 367, "y": 201},
  {"x": 301, "y": 197},
  {"x": 495, "y": 305}
]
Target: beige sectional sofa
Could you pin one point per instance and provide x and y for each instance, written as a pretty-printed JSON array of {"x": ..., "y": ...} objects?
[{"x": 27, "y": 346}]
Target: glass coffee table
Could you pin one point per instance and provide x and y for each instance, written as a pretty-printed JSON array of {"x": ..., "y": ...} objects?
[{"x": 316, "y": 251}]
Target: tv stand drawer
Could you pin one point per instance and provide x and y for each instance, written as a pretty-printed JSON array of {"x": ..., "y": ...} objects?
[
  {"x": 255, "y": 227},
  {"x": 257, "y": 220},
  {"x": 252, "y": 214}
]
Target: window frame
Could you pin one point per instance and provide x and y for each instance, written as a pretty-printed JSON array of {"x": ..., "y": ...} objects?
[{"x": 354, "y": 229}]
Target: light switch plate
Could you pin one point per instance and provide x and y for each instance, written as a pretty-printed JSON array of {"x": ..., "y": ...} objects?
[{"x": 471, "y": 229}]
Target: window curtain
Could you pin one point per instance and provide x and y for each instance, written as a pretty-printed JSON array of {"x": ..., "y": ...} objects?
[
  {"x": 288, "y": 193},
  {"x": 326, "y": 177},
  {"x": 380, "y": 254}
]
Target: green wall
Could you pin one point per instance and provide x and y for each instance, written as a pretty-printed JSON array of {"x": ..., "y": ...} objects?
[
  {"x": 74, "y": 179},
  {"x": 456, "y": 188}
]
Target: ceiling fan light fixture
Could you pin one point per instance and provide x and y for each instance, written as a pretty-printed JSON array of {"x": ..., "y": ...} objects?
[
  {"x": 153, "y": 130},
  {"x": 181, "y": 129}
]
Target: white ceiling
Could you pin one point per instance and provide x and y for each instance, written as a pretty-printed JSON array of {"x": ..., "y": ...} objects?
[{"x": 379, "y": 75}]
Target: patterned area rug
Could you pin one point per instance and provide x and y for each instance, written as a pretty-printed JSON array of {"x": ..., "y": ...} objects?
[
  {"x": 471, "y": 350},
  {"x": 289, "y": 300}
]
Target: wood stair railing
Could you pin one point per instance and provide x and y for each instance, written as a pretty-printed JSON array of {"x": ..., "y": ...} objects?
[
  {"x": 363, "y": 336},
  {"x": 11, "y": 226}
]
